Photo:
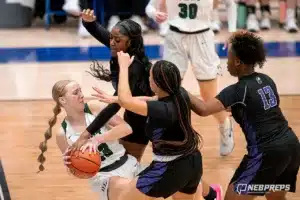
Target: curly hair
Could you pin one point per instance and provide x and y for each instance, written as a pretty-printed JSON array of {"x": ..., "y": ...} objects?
[{"x": 249, "y": 48}]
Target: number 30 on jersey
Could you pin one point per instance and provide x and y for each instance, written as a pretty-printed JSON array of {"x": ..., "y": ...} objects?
[{"x": 188, "y": 10}]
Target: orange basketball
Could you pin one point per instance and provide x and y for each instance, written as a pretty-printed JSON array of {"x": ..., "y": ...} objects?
[{"x": 84, "y": 165}]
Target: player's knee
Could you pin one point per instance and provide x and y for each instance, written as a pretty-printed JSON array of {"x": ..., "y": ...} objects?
[
  {"x": 231, "y": 193},
  {"x": 280, "y": 195}
]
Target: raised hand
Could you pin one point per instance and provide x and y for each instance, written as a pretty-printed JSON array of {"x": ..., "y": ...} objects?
[
  {"x": 103, "y": 97},
  {"x": 124, "y": 59},
  {"x": 87, "y": 15}
]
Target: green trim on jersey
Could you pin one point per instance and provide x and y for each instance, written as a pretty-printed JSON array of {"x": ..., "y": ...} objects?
[
  {"x": 102, "y": 147},
  {"x": 86, "y": 110}
]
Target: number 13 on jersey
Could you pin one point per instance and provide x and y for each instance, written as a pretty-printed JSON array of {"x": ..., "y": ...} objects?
[
  {"x": 267, "y": 91},
  {"x": 188, "y": 10}
]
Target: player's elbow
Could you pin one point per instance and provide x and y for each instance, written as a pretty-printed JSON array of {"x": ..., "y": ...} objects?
[
  {"x": 204, "y": 113},
  {"x": 127, "y": 129},
  {"x": 200, "y": 110}
]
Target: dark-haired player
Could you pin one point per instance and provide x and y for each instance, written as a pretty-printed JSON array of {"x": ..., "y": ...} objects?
[
  {"x": 125, "y": 36},
  {"x": 176, "y": 168},
  {"x": 273, "y": 157}
]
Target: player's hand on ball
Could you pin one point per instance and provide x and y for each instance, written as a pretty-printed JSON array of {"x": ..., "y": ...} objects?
[
  {"x": 79, "y": 143},
  {"x": 87, "y": 15},
  {"x": 91, "y": 145},
  {"x": 66, "y": 157}
]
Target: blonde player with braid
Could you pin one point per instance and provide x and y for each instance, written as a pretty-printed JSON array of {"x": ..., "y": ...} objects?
[{"x": 114, "y": 161}]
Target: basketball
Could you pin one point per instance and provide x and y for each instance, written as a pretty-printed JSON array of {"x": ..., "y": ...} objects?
[{"x": 83, "y": 164}]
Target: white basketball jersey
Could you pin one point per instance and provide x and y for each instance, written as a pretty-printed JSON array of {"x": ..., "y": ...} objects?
[
  {"x": 110, "y": 152},
  {"x": 190, "y": 15}
]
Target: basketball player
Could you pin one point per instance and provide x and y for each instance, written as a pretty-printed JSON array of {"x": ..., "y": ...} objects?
[
  {"x": 114, "y": 162},
  {"x": 216, "y": 24},
  {"x": 126, "y": 36},
  {"x": 176, "y": 168},
  {"x": 273, "y": 148},
  {"x": 190, "y": 39}
]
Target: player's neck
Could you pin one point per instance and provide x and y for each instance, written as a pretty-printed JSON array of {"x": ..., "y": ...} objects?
[
  {"x": 162, "y": 94},
  {"x": 248, "y": 71},
  {"x": 75, "y": 117}
]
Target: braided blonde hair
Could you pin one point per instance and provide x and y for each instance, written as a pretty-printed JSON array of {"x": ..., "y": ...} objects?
[{"x": 58, "y": 90}]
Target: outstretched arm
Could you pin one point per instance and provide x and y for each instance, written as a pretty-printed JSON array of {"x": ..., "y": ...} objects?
[
  {"x": 106, "y": 98},
  {"x": 94, "y": 28},
  {"x": 229, "y": 96},
  {"x": 205, "y": 108},
  {"x": 119, "y": 128}
]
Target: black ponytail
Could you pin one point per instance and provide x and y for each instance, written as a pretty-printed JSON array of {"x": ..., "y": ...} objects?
[{"x": 167, "y": 77}]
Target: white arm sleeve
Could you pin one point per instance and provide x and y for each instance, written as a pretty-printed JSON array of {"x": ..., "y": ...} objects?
[{"x": 151, "y": 9}]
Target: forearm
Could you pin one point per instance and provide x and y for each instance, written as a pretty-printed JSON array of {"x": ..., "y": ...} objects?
[
  {"x": 114, "y": 134},
  {"x": 102, "y": 118},
  {"x": 203, "y": 108},
  {"x": 163, "y": 6},
  {"x": 98, "y": 32},
  {"x": 124, "y": 92},
  {"x": 141, "y": 98},
  {"x": 198, "y": 106},
  {"x": 146, "y": 98}
]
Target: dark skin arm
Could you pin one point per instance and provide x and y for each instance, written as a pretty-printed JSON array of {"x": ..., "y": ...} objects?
[
  {"x": 94, "y": 28},
  {"x": 202, "y": 108}
]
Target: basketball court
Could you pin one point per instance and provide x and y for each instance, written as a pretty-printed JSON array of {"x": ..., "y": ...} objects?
[{"x": 32, "y": 60}]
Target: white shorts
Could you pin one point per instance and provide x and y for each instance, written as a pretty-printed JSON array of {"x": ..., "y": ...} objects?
[
  {"x": 199, "y": 49},
  {"x": 100, "y": 181}
]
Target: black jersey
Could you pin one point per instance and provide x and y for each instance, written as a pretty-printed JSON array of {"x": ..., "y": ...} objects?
[
  {"x": 138, "y": 81},
  {"x": 254, "y": 104},
  {"x": 163, "y": 123}
]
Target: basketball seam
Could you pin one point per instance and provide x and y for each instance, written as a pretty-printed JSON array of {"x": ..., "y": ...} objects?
[
  {"x": 89, "y": 160},
  {"x": 81, "y": 170}
]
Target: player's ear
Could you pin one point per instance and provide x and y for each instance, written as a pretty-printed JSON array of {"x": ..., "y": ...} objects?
[
  {"x": 128, "y": 43},
  {"x": 62, "y": 100},
  {"x": 237, "y": 62}
]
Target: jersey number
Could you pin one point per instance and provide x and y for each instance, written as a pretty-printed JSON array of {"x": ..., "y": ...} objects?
[
  {"x": 188, "y": 10},
  {"x": 105, "y": 151},
  {"x": 267, "y": 91}
]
